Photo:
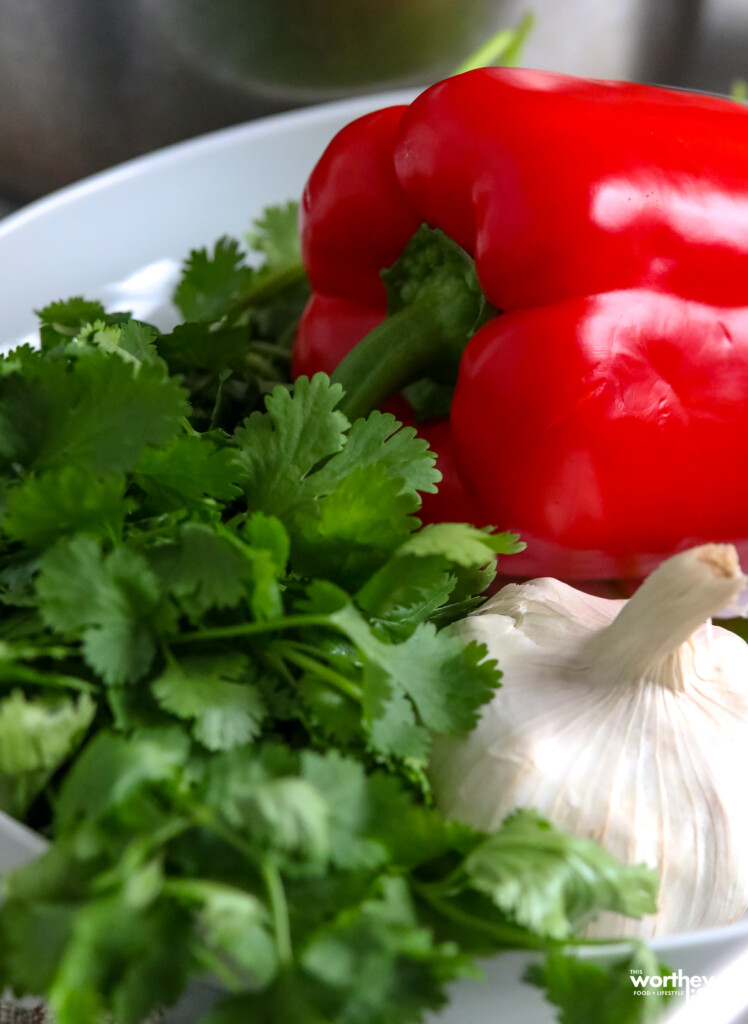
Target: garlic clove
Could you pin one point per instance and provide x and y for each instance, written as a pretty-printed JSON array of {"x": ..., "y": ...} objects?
[{"x": 621, "y": 721}]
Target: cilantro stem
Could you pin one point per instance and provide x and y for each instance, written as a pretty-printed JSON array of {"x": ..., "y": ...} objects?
[
  {"x": 57, "y": 652},
  {"x": 504, "y": 48},
  {"x": 279, "y": 911},
  {"x": 188, "y": 428},
  {"x": 270, "y": 283},
  {"x": 271, "y": 350},
  {"x": 279, "y": 666},
  {"x": 507, "y": 935},
  {"x": 244, "y": 550},
  {"x": 271, "y": 877},
  {"x": 242, "y": 629},
  {"x": 198, "y": 890},
  {"x": 205, "y": 817},
  {"x": 23, "y": 674},
  {"x": 397, "y": 352},
  {"x": 294, "y": 653},
  {"x": 213, "y": 963}
]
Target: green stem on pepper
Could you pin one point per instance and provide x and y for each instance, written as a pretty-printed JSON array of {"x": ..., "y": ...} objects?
[{"x": 435, "y": 303}]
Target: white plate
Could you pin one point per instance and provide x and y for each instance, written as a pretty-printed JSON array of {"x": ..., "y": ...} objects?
[{"x": 120, "y": 237}]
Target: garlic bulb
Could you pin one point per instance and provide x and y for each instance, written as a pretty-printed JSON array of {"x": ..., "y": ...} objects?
[{"x": 621, "y": 721}]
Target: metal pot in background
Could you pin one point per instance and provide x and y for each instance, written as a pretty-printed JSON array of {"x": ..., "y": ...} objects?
[
  {"x": 303, "y": 50},
  {"x": 86, "y": 85}
]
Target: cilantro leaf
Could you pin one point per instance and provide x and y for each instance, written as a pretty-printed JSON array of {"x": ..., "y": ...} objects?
[
  {"x": 61, "y": 321},
  {"x": 439, "y": 562},
  {"x": 345, "y": 788},
  {"x": 112, "y": 768},
  {"x": 283, "y": 815},
  {"x": 390, "y": 717},
  {"x": 234, "y": 926},
  {"x": 202, "y": 569},
  {"x": 405, "y": 591},
  {"x": 108, "y": 601},
  {"x": 71, "y": 313},
  {"x": 347, "y": 494},
  {"x": 280, "y": 450},
  {"x": 347, "y": 534},
  {"x": 428, "y": 681},
  {"x": 312, "y": 434},
  {"x": 214, "y": 693},
  {"x": 461, "y": 543},
  {"x": 132, "y": 968},
  {"x": 380, "y": 963},
  {"x": 269, "y": 549},
  {"x": 187, "y": 470},
  {"x": 585, "y": 990},
  {"x": 36, "y": 736},
  {"x": 98, "y": 413},
  {"x": 275, "y": 235},
  {"x": 198, "y": 346},
  {"x": 447, "y": 681},
  {"x": 66, "y": 500},
  {"x": 211, "y": 283},
  {"x": 130, "y": 339},
  {"x": 553, "y": 883},
  {"x": 381, "y": 441}
]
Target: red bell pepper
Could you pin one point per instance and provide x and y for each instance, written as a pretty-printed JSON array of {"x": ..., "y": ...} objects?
[{"x": 604, "y": 413}]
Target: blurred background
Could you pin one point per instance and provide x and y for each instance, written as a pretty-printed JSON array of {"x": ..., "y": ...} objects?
[{"x": 88, "y": 83}]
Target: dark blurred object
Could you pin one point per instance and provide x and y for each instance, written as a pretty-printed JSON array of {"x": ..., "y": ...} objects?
[
  {"x": 307, "y": 50},
  {"x": 88, "y": 84},
  {"x": 719, "y": 51}
]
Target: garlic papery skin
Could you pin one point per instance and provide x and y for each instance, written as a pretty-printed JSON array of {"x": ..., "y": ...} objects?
[{"x": 625, "y": 722}]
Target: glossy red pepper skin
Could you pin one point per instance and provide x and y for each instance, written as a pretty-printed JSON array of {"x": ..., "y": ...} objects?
[
  {"x": 565, "y": 186},
  {"x": 621, "y": 420},
  {"x": 603, "y": 415}
]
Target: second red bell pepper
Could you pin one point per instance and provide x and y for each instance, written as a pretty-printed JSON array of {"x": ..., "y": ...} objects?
[{"x": 604, "y": 413}]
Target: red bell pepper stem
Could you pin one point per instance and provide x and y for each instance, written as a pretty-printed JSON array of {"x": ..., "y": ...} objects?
[
  {"x": 395, "y": 353},
  {"x": 425, "y": 338}
]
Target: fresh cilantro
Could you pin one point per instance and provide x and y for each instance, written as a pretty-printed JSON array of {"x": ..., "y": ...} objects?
[
  {"x": 107, "y": 600},
  {"x": 241, "y": 320},
  {"x": 348, "y": 494},
  {"x": 464, "y": 545},
  {"x": 130, "y": 340},
  {"x": 552, "y": 883},
  {"x": 216, "y": 695},
  {"x": 281, "y": 448},
  {"x": 61, "y": 321},
  {"x": 186, "y": 471},
  {"x": 194, "y": 347},
  {"x": 97, "y": 413},
  {"x": 47, "y": 507},
  {"x": 201, "y": 568},
  {"x": 36, "y": 737},
  {"x": 584, "y": 989},
  {"x": 71, "y": 313},
  {"x": 212, "y": 283},
  {"x": 222, "y": 664},
  {"x": 275, "y": 236}
]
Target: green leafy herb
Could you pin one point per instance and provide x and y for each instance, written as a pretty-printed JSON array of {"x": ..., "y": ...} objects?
[
  {"x": 222, "y": 661},
  {"x": 585, "y": 990}
]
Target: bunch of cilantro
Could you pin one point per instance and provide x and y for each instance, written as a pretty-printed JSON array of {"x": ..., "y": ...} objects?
[{"x": 222, "y": 657}]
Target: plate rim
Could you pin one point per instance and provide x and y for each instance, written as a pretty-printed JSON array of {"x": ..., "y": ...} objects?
[{"x": 218, "y": 138}]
